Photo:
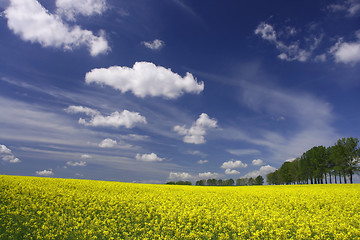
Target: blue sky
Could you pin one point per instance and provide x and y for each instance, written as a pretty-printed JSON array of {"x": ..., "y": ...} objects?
[{"x": 153, "y": 91}]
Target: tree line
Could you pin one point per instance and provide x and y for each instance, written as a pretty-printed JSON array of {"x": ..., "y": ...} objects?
[
  {"x": 321, "y": 165},
  {"x": 259, "y": 180}
]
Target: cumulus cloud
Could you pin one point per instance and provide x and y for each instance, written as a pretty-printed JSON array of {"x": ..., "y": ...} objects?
[
  {"x": 154, "y": 45},
  {"x": 195, "y": 134},
  {"x": 207, "y": 175},
  {"x": 262, "y": 171},
  {"x": 288, "y": 52},
  {"x": 76, "y": 164},
  {"x": 346, "y": 52},
  {"x": 180, "y": 176},
  {"x": 145, "y": 79},
  {"x": 4, "y": 150},
  {"x": 231, "y": 171},
  {"x": 107, "y": 143},
  {"x": 190, "y": 177},
  {"x": 32, "y": 22},
  {"x": 202, "y": 161},
  {"x": 116, "y": 119},
  {"x": 45, "y": 173},
  {"x": 257, "y": 162},
  {"x": 69, "y": 8},
  {"x": 7, "y": 156},
  {"x": 152, "y": 157},
  {"x": 266, "y": 31},
  {"x": 233, "y": 164},
  {"x": 240, "y": 152}
]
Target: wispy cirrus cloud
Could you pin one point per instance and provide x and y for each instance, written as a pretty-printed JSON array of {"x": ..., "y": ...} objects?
[
  {"x": 240, "y": 152},
  {"x": 351, "y": 7}
]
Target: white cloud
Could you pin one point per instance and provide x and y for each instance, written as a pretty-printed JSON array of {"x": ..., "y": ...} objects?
[
  {"x": 240, "y": 152},
  {"x": 257, "y": 162},
  {"x": 207, "y": 175},
  {"x": 202, "y": 161},
  {"x": 233, "y": 164},
  {"x": 85, "y": 156},
  {"x": 107, "y": 143},
  {"x": 4, "y": 149},
  {"x": 347, "y": 52},
  {"x": 229, "y": 171},
  {"x": 152, "y": 157},
  {"x": 81, "y": 109},
  {"x": 32, "y": 22},
  {"x": 155, "y": 45},
  {"x": 45, "y": 173},
  {"x": 180, "y": 176},
  {"x": 71, "y": 8},
  {"x": 145, "y": 79},
  {"x": 7, "y": 156},
  {"x": 76, "y": 164},
  {"x": 352, "y": 7},
  {"x": 263, "y": 171},
  {"x": 116, "y": 119},
  {"x": 292, "y": 51},
  {"x": 197, "y": 152},
  {"x": 196, "y": 133},
  {"x": 266, "y": 31},
  {"x": 320, "y": 58},
  {"x": 174, "y": 176}
]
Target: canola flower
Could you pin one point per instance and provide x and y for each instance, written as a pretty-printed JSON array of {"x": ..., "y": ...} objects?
[{"x": 46, "y": 208}]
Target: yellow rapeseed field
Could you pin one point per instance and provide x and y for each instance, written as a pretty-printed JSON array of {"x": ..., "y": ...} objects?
[{"x": 45, "y": 208}]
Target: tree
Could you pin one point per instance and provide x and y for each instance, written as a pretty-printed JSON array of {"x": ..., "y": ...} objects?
[
  {"x": 183, "y": 183},
  {"x": 200, "y": 183},
  {"x": 348, "y": 153},
  {"x": 241, "y": 181},
  {"x": 251, "y": 181},
  {"x": 229, "y": 182},
  {"x": 287, "y": 173},
  {"x": 259, "y": 180},
  {"x": 321, "y": 163},
  {"x": 211, "y": 182}
]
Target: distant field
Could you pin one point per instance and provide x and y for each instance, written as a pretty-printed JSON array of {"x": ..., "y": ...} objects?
[{"x": 45, "y": 208}]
